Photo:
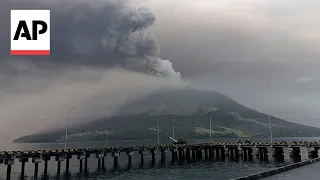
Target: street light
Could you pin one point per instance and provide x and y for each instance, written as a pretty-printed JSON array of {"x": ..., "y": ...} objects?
[
  {"x": 65, "y": 140},
  {"x": 158, "y": 128},
  {"x": 173, "y": 127},
  {"x": 270, "y": 129},
  {"x": 210, "y": 129}
]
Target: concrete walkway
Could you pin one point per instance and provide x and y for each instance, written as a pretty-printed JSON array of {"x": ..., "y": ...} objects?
[{"x": 311, "y": 171}]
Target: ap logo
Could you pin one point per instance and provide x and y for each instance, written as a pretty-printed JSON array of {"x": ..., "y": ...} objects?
[{"x": 30, "y": 32}]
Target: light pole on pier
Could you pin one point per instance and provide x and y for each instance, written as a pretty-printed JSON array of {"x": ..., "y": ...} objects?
[
  {"x": 210, "y": 128},
  {"x": 158, "y": 128},
  {"x": 173, "y": 127},
  {"x": 67, "y": 124},
  {"x": 270, "y": 129}
]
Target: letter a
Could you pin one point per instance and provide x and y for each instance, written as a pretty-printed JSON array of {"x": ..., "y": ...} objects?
[{"x": 26, "y": 34}]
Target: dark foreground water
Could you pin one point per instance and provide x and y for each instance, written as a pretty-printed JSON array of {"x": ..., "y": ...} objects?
[{"x": 213, "y": 169}]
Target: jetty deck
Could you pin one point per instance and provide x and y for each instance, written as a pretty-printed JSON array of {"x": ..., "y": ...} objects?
[{"x": 179, "y": 152}]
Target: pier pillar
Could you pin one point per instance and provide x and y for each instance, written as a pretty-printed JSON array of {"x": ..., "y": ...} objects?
[
  {"x": 193, "y": 154},
  {"x": 226, "y": 151},
  {"x": 103, "y": 160},
  {"x": 304, "y": 154},
  {"x": 240, "y": 152},
  {"x": 270, "y": 152},
  {"x": 59, "y": 158},
  {"x": 205, "y": 153},
  {"x": 261, "y": 154},
  {"x": 163, "y": 155},
  {"x": 255, "y": 152},
  {"x": 86, "y": 162},
  {"x": 23, "y": 165},
  {"x": 174, "y": 154},
  {"x": 318, "y": 150},
  {"x": 46, "y": 159},
  {"x": 68, "y": 157},
  {"x": 181, "y": 154},
  {"x": 188, "y": 154},
  {"x": 80, "y": 157},
  {"x": 36, "y": 160},
  {"x": 218, "y": 153},
  {"x": 210, "y": 153},
  {"x": 9, "y": 162},
  {"x": 199, "y": 153},
  {"x": 141, "y": 152},
  {"x": 130, "y": 153},
  {"x": 153, "y": 156},
  {"x": 115, "y": 159},
  {"x": 99, "y": 156},
  {"x": 286, "y": 154},
  {"x": 313, "y": 152},
  {"x": 250, "y": 153}
]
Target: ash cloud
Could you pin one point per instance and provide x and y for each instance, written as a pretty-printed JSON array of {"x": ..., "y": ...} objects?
[{"x": 96, "y": 33}]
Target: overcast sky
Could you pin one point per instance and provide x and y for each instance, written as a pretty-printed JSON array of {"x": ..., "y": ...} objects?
[{"x": 264, "y": 54}]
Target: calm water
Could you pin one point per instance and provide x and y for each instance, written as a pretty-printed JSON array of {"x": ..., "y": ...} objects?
[{"x": 197, "y": 170}]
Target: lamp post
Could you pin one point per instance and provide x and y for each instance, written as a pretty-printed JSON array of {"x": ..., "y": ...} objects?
[
  {"x": 270, "y": 129},
  {"x": 158, "y": 128},
  {"x": 173, "y": 127},
  {"x": 67, "y": 124},
  {"x": 210, "y": 129}
]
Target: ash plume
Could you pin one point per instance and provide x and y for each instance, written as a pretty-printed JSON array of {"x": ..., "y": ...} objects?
[{"x": 97, "y": 33}]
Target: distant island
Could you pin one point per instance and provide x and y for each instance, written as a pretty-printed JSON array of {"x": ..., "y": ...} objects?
[{"x": 191, "y": 109}]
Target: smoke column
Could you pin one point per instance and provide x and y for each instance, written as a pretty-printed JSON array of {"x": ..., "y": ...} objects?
[{"x": 96, "y": 33}]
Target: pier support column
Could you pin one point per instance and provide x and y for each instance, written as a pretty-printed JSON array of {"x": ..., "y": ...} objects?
[
  {"x": 115, "y": 159},
  {"x": 193, "y": 154},
  {"x": 286, "y": 154},
  {"x": 312, "y": 152},
  {"x": 188, "y": 154},
  {"x": 36, "y": 160},
  {"x": 304, "y": 154},
  {"x": 68, "y": 157},
  {"x": 130, "y": 153},
  {"x": 23, "y": 165},
  {"x": 205, "y": 153},
  {"x": 163, "y": 155},
  {"x": 46, "y": 159},
  {"x": 199, "y": 153},
  {"x": 153, "y": 156},
  {"x": 86, "y": 162},
  {"x": 181, "y": 154},
  {"x": 103, "y": 160},
  {"x": 240, "y": 152},
  {"x": 218, "y": 153},
  {"x": 141, "y": 152},
  {"x": 9, "y": 162},
  {"x": 99, "y": 156},
  {"x": 210, "y": 153},
  {"x": 59, "y": 159},
  {"x": 271, "y": 152},
  {"x": 174, "y": 154},
  {"x": 80, "y": 157},
  {"x": 226, "y": 151}
]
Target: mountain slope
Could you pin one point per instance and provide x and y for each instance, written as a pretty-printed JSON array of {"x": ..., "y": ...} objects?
[{"x": 191, "y": 109}]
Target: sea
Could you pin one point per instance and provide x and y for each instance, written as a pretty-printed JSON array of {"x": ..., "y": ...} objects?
[{"x": 205, "y": 169}]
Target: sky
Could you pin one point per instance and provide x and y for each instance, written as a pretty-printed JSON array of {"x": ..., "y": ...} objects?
[{"x": 262, "y": 53}]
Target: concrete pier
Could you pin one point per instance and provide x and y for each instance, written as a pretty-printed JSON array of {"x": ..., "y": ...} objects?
[{"x": 182, "y": 152}]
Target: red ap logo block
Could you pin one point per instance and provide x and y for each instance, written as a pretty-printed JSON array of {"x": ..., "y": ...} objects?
[{"x": 30, "y": 32}]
